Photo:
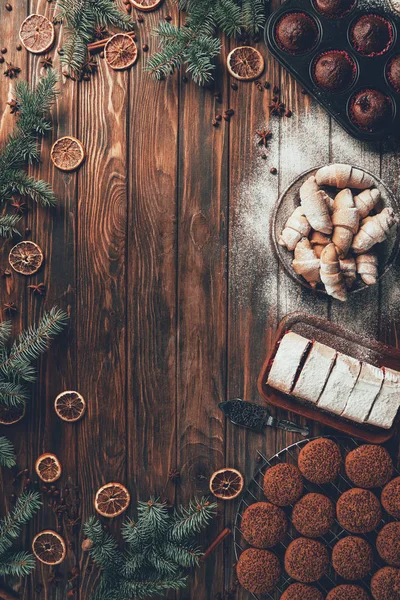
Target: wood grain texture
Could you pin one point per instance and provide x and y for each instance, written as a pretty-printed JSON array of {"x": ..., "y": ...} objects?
[{"x": 159, "y": 249}]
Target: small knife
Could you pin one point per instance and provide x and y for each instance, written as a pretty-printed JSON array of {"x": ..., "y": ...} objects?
[{"x": 257, "y": 417}]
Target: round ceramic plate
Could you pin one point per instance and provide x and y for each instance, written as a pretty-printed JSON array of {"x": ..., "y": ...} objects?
[{"x": 290, "y": 199}]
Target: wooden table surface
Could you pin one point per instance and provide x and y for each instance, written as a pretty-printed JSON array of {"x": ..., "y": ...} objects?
[{"x": 159, "y": 249}]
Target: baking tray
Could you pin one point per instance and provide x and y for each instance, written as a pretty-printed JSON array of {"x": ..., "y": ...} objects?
[
  {"x": 254, "y": 493},
  {"x": 334, "y": 35},
  {"x": 347, "y": 342},
  {"x": 289, "y": 200}
]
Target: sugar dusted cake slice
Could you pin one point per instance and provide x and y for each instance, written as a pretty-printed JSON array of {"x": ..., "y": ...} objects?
[
  {"x": 364, "y": 393},
  {"x": 315, "y": 372},
  {"x": 340, "y": 384},
  {"x": 288, "y": 358},
  {"x": 385, "y": 407}
]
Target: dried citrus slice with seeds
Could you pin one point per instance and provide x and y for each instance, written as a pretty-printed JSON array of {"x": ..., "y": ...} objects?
[
  {"x": 70, "y": 406},
  {"x": 112, "y": 499},
  {"x": 48, "y": 467},
  {"x": 49, "y": 547},
  {"x": 37, "y": 34},
  {"x": 26, "y": 258},
  {"x": 67, "y": 153},
  {"x": 226, "y": 484},
  {"x": 11, "y": 415},
  {"x": 120, "y": 52},
  {"x": 146, "y": 5},
  {"x": 245, "y": 63}
]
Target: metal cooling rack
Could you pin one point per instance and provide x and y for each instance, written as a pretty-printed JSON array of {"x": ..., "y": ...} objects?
[{"x": 254, "y": 493}]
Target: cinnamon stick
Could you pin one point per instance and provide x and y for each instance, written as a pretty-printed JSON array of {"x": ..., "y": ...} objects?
[
  {"x": 99, "y": 45},
  {"x": 218, "y": 540}
]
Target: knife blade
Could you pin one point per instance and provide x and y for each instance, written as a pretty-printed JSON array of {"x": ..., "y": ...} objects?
[{"x": 257, "y": 417}]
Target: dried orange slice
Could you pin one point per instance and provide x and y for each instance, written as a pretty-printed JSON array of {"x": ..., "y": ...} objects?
[
  {"x": 112, "y": 499},
  {"x": 146, "y": 5},
  {"x": 226, "y": 484},
  {"x": 120, "y": 52},
  {"x": 70, "y": 406},
  {"x": 49, "y": 547},
  {"x": 9, "y": 416},
  {"x": 67, "y": 153},
  {"x": 26, "y": 258},
  {"x": 48, "y": 467},
  {"x": 245, "y": 63},
  {"x": 37, "y": 34}
]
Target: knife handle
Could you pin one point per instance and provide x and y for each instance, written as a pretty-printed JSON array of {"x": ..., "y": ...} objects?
[{"x": 290, "y": 426}]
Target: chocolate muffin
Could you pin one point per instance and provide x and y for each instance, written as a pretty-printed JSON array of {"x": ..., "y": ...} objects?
[
  {"x": 313, "y": 515},
  {"x": 370, "y": 109},
  {"x": 385, "y": 584},
  {"x": 334, "y": 8},
  {"x": 348, "y": 592},
  {"x": 393, "y": 72},
  {"x": 369, "y": 466},
  {"x": 299, "y": 591},
  {"x": 296, "y": 32},
  {"x": 390, "y": 498},
  {"x": 358, "y": 511},
  {"x": 283, "y": 484},
  {"x": 320, "y": 461},
  {"x": 258, "y": 571},
  {"x": 388, "y": 544},
  {"x": 352, "y": 558},
  {"x": 334, "y": 71},
  {"x": 263, "y": 525},
  {"x": 371, "y": 35},
  {"x": 306, "y": 560}
]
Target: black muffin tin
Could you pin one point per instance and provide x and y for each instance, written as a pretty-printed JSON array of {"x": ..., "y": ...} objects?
[{"x": 334, "y": 34}]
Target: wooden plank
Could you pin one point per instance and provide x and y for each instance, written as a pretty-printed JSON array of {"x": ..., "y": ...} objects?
[
  {"x": 101, "y": 279},
  {"x": 202, "y": 298},
  {"x": 151, "y": 283},
  {"x": 54, "y": 231}
]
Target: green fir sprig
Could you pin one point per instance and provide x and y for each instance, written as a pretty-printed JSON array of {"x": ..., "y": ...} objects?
[
  {"x": 159, "y": 550},
  {"x": 196, "y": 44},
  {"x": 81, "y": 18},
  {"x": 7, "y": 454},
  {"x": 22, "y": 149},
  {"x": 16, "y": 369},
  {"x": 17, "y": 564}
]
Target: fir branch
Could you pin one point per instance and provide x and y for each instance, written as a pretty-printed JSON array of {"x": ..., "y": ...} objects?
[
  {"x": 12, "y": 394},
  {"x": 21, "y": 148},
  {"x": 193, "y": 519},
  {"x": 7, "y": 454},
  {"x": 80, "y": 18},
  {"x": 31, "y": 344},
  {"x": 8, "y": 225},
  {"x": 5, "y": 332},
  {"x": 16, "y": 564},
  {"x": 10, "y": 526},
  {"x": 195, "y": 44},
  {"x": 104, "y": 550}
]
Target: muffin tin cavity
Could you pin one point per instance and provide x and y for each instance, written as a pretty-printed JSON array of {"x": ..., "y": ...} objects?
[
  {"x": 296, "y": 33},
  {"x": 346, "y": 56},
  {"x": 334, "y": 9},
  {"x": 334, "y": 71},
  {"x": 371, "y": 35}
]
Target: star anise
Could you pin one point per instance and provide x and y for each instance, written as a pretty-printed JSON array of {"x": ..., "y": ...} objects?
[
  {"x": 11, "y": 71},
  {"x": 39, "y": 289},
  {"x": 89, "y": 67},
  {"x": 264, "y": 135},
  {"x": 14, "y": 106},
  {"x": 174, "y": 475},
  {"x": 101, "y": 32},
  {"x": 47, "y": 62},
  {"x": 19, "y": 206},
  {"x": 277, "y": 108},
  {"x": 10, "y": 307}
]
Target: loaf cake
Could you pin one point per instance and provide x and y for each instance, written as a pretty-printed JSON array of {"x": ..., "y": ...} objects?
[{"x": 335, "y": 382}]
